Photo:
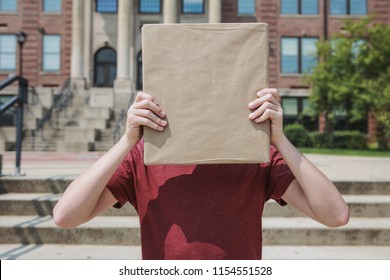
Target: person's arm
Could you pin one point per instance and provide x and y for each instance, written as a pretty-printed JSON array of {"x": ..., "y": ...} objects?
[
  {"x": 87, "y": 195},
  {"x": 311, "y": 192}
]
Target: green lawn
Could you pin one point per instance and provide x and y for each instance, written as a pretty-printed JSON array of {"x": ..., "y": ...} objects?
[{"x": 345, "y": 152}]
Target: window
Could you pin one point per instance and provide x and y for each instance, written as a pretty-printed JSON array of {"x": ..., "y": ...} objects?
[
  {"x": 106, "y": 6},
  {"x": 246, "y": 7},
  {"x": 105, "y": 67},
  {"x": 8, "y": 117},
  {"x": 338, "y": 7},
  {"x": 290, "y": 55},
  {"x": 192, "y": 6},
  {"x": 51, "y": 53},
  {"x": 7, "y": 53},
  {"x": 298, "y": 55},
  {"x": 289, "y": 7},
  {"x": 149, "y": 6},
  {"x": 290, "y": 106},
  {"x": 309, "y": 54},
  {"x": 304, "y": 7},
  {"x": 358, "y": 7},
  {"x": 53, "y": 6},
  {"x": 348, "y": 7},
  {"x": 297, "y": 110},
  {"x": 8, "y": 5},
  {"x": 306, "y": 109}
]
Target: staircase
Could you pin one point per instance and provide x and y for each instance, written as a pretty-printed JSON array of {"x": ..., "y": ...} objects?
[
  {"x": 26, "y": 226},
  {"x": 91, "y": 120},
  {"x": 76, "y": 129}
]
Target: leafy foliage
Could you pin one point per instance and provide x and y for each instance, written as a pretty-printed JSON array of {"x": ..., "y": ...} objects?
[
  {"x": 339, "y": 140},
  {"x": 297, "y": 134},
  {"x": 354, "y": 75}
]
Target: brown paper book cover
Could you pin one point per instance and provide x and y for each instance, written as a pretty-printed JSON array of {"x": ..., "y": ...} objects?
[{"x": 204, "y": 76}]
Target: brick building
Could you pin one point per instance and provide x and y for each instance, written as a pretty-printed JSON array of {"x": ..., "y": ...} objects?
[
  {"x": 46, "y": 53},
  {"x": 44, "y": 58},
  {"x": 97, "y": 43},
  {"x": 295, "y": 27}
]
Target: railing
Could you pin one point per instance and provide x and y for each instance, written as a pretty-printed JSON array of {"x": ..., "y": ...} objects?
[
  {"x": 121, "y": 120},
  {"x": 19, "y": 101},
  {"x": 61, "y": 102},
  {"x": 119, "y": 125}
]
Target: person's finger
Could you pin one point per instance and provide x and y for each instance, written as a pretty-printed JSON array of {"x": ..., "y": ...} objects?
[
  {"x": 147, "y": 122},
  {"x": 264, "y": 98},
  {"x": 142, "y": 95},
  {"x": 260, "y": 111},
  {"x": 149, "y": 115},
  {"x": 269, "y": 114},
  {"x": 265, "y": 91},
  {"x": 143, "y": 117},
  {"x": 150, "y": 105}
]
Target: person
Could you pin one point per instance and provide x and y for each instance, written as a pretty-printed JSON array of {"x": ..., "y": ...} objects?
[{"x": 200, "y": 211}]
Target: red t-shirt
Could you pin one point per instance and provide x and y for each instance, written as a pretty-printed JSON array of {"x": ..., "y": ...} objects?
[{"x": 200, "y": 211}]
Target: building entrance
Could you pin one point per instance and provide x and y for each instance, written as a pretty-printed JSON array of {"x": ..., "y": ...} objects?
[{"x": 105, "y": 67}]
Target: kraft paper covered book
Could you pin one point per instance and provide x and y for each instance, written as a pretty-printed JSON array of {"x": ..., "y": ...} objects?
[{"x": 204, "y": 76}]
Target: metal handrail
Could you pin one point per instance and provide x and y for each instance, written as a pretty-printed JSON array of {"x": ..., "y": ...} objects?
[
  {"x": 120, "y": 121},
  {"x": 61, "y": 102},
  {"x": 19, "y": 101},
  {"x": 118, "y": 125}
]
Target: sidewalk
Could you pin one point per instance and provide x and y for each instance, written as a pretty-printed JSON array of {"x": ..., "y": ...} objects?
[
  {"x": 49, "y": 164},
  {"x": 70, "y": 165}
]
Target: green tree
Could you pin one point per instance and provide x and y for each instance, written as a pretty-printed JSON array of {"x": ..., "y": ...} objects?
[{"x": 354, "y": 75}]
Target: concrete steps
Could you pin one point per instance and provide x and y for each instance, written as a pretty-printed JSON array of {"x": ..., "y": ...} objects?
[
  {"x": 106, "y": 140},
  {"x": 42, "y": 230},
  {"x": 120, "y": 252},
  {"x": 43, "y": 141},
  {"x": 58, "y": 184},
  {"x": 26, "y": 225},
  {"x": 38, "y": 185},
  {"x": 304, "y": 231},
  {"x": 69, "y": 252},
  {"x": 359, "y": 205},
  {"x": 98, "y": 114},
  {"x": 42, "y": 204},
  {"x": 121, "y": 230},
  {"x": 326, "y": 252}
]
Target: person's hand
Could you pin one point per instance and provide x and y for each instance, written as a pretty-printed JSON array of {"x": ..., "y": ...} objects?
[
  {"x": 267, "y": 106},
  {"x": 144, "y": 112}
]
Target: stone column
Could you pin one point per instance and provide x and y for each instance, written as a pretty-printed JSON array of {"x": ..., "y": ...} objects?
[
  {"x": 77, "y": 59},
  {"x": 87, "y": 65},
  {"x": 125, "y": 51},
  {"x": 215, "y": 11},
  {"x": 170, "y": 11}
]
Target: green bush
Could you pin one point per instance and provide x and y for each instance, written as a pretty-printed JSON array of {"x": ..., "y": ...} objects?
[
  {"x": 349, "y": 140},
  {"x": 339, "y": 140},
  {"x": 298, "y": 135},
  {"x": 321, "y": 140}
]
